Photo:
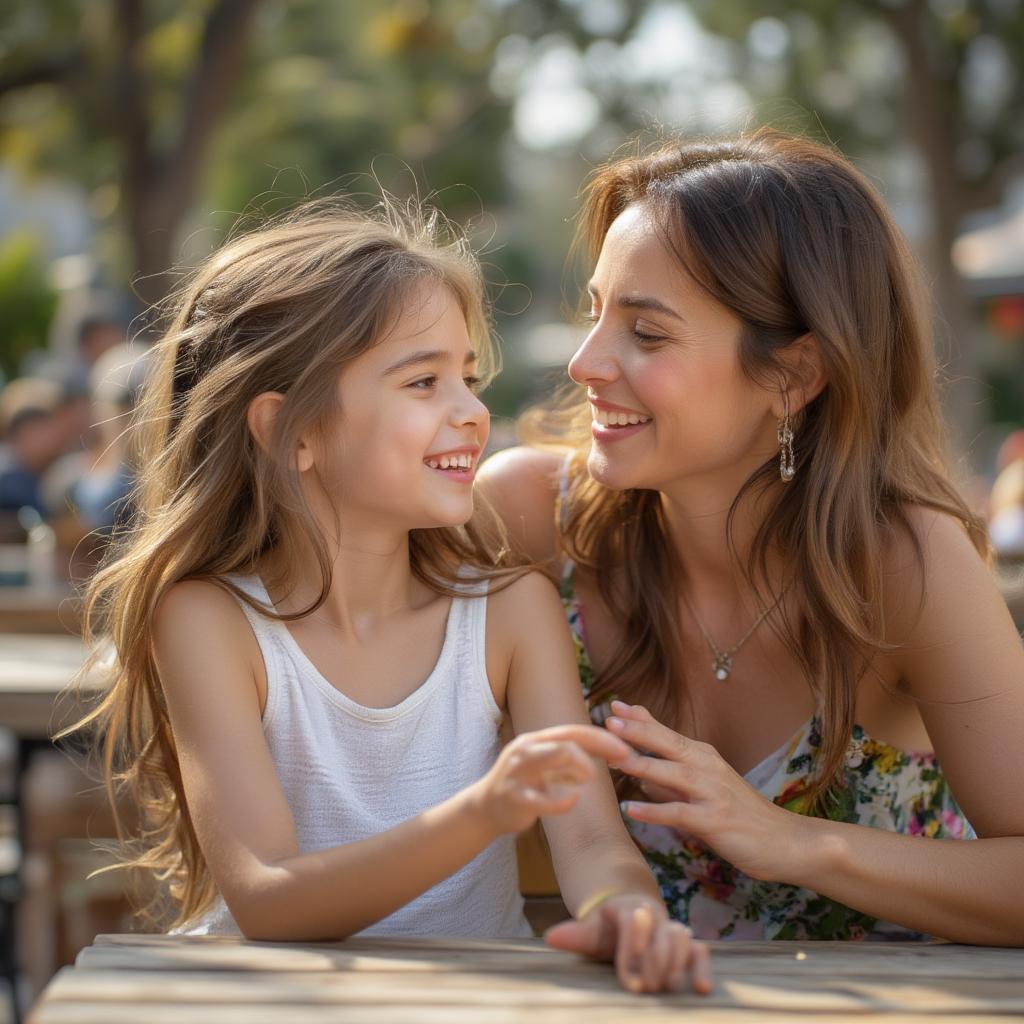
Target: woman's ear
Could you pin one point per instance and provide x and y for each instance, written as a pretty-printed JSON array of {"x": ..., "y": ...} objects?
[
  {"x": 804, "y": 375},
  {"x": 260, "y": 418}
]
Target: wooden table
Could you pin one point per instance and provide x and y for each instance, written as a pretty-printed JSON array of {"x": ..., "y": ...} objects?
[
  {"x": 157, "y": 978},
  {"x": 35, "y": 669}
]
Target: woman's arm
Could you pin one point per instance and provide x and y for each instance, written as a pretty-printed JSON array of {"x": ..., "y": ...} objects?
[
  {"x": 599, "y": 869},
  {"x": 206, "y": 657},
  {"x": 962, "y": 660}
]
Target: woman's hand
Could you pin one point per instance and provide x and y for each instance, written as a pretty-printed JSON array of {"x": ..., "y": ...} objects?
[
  {"x": 540, "y": 773},
  {"x": 692, "y": 788},
  {"x": 651, "y": 953}
]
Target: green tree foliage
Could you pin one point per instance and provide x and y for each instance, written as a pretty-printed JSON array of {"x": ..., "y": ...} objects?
[{"x": 27, "y": 302}]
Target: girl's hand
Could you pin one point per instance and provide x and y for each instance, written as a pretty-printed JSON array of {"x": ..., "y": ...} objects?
[
  {"x": 540, "y": 773},
  {"x": 651, "y": 953},
  {"x": 692, "y": 788}
]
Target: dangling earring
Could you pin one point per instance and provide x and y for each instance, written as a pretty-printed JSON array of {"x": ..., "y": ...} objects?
[{"x": 786, "y": 468}]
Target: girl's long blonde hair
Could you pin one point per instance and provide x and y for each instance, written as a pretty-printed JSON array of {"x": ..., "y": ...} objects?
[
  {"x": 284, "y": 308},
  {"x": 787, "y": 235}
]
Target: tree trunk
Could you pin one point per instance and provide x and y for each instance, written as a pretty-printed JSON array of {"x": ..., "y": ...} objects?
[{"x": 932, "y": 125}]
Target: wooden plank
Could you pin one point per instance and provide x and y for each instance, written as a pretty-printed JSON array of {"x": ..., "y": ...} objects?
[
  {"x": 134, "y": 1013},
  {"x": 791, "y": 959},
  {"x": 572, "y": 989}
]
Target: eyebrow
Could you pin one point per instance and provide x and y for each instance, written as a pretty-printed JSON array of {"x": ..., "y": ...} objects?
[
  {"x": 641, "y": 302},
  {"x": 433, "y": 355}
]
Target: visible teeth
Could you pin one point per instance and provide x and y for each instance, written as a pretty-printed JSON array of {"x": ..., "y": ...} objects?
[
  {"x": 618, "y": 419},
  {"x": 463, "y": 461}
]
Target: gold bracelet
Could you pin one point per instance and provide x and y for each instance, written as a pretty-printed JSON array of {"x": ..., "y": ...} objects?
[{"x": 593, "y": 902}]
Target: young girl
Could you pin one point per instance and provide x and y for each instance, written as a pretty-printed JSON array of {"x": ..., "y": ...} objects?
[
  {"x": 315, "y": 656},
  {"x": 766, "y": 562}
]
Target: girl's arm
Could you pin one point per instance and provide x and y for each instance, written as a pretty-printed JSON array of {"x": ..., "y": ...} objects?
[
  {"x": 599, "y": 869},
  {"x": 962, "y": 660},
  {"x": 208, "y": 662}
]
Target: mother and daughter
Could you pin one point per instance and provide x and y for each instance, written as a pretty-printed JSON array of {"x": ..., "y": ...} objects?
[{"x": 795, "y": 660}]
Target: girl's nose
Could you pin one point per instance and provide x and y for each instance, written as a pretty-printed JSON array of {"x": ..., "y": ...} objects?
[
  {"x": 593, "y": 362},
  {"x": 470, "y": 411}
]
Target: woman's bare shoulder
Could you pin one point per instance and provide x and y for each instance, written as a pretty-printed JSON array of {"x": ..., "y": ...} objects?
[{"x": 521, "y": 485}]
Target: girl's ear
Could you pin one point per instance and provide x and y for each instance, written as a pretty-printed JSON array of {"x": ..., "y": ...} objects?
[
  {"x": 260, "y": 418},
  {"x": 804, "y": 375}
]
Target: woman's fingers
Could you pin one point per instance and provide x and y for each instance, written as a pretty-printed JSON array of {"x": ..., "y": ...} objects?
[
  {"x": 636, "y": 726},
  {"x": 669, "y": 776},
  {"x": 676, "y": 814},
  {"x": 661, "y": 794}
]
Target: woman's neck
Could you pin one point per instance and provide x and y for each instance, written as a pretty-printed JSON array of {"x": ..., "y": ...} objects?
[{"x": 697, "y": 521}]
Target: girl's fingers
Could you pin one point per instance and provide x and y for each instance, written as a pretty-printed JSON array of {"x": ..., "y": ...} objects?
[
  {"x": 590, "y": 738},
  {"x": 634, "y": 936},
  {"x": 658, "y": 960},
  {"x": 563, "y": 762},
  {"x": 680, "y": 938},
  {"x": 700, "y": 968}
]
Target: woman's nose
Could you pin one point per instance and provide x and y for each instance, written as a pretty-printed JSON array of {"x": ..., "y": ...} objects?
[{"x": 593, "y": 362}]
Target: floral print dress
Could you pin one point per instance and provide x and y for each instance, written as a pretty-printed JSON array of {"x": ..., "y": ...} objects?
[{"x": 885, "y": 788}]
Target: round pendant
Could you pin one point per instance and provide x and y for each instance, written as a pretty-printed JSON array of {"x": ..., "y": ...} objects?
[{"x": 722, "y": 666}]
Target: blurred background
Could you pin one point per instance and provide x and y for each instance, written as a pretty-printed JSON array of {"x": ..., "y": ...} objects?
[{"x": 134, "y": 134}]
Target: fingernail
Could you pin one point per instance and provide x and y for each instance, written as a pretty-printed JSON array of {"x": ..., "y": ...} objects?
[
  {"x": 614, "y": 723},
  {"x": 626, "y": 807},
  {"x": 620, "y": 703}
]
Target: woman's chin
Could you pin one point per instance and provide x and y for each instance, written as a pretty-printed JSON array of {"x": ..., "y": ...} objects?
[{"x": 612, "y": 474}]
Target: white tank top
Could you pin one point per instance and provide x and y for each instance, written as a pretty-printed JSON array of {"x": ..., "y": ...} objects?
[{"x": 349, "y": 772}]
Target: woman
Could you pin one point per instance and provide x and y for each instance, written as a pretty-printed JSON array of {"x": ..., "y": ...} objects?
[{"x": 765, "y": 562}]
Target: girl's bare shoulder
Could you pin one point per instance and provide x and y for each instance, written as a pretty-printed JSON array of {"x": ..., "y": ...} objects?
[{"x": 198, "y": 624}]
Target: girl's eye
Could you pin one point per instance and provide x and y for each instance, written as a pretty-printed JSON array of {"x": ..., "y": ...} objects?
[
  {"x": 473, "y": 383},
  {"x": 424, "y": 383}
]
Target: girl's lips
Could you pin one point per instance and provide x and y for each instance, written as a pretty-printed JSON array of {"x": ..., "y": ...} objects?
[{"x": 458, "y": 476}]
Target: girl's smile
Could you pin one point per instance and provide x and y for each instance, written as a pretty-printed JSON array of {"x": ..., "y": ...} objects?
[{"x": 458, "y": 465}]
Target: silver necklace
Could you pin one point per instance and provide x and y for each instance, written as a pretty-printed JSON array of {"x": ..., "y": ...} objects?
[{"x": 721, "y": 664}]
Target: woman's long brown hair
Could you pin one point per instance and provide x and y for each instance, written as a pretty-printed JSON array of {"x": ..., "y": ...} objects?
[
  {"x": 787, "y": 235},
  {"x": 284, "y": 308}
]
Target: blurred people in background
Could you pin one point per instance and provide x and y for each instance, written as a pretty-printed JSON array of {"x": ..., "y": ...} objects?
[
  {"x": 32, "y": 435},
  {"x": 92, "y": 488},
  {"x": 1006, "y": 504}
]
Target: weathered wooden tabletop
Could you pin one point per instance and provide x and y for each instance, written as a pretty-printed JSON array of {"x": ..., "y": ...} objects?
[{"x": 162, "y": 978}]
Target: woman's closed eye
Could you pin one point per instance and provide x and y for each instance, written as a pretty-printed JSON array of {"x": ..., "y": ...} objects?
[{"x": 643, "y": 334}]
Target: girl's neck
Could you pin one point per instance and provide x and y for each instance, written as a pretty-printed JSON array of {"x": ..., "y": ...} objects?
[{"x": 371, "y": 579}]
